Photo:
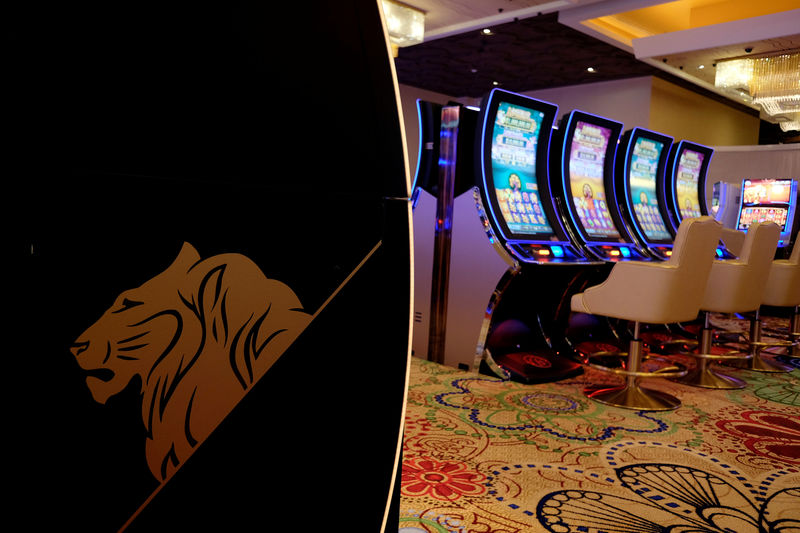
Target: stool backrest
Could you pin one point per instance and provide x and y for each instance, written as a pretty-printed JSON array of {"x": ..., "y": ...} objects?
[
  {"x": 693, "y": 252},
  {"x": 783, "y": 285},
  {"x": 737, "y": 285},
  {"x": 760, "y": 244},
  {"x": 733, "y": 239}
]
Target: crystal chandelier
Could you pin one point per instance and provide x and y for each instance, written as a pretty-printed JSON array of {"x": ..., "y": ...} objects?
[
  {"x": 405, "y": 24},
  {"x": 776, "y": 83},
  {"x": 772, "y": 82}
]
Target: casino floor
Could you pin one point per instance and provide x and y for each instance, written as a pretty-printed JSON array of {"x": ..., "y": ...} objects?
[{"x": 481, "y": 454}]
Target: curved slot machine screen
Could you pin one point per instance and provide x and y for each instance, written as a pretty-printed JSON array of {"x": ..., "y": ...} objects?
[
  {"x": 516, "y": 137},
  {"x": 690, "y": 166},
  {"x": 768, "y": 200},
  {"x": 587, "y": 166},
  {"x": 642, "y": 174}
]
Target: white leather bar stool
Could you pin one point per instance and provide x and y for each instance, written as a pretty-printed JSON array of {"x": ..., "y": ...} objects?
[
  {"x": 734, "y": 286},
  {"x": 654, "y": 293},
  {"x": 782, "y": 290}
]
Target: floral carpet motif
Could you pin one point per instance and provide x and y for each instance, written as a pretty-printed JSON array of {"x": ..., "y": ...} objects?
[{"x": 485, "y": 455}]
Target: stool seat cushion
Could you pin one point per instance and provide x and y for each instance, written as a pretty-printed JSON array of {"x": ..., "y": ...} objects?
[{"x": 658, "y": 292}]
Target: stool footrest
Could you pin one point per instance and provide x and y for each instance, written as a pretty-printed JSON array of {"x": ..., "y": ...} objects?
[
  {"x": 773, "y": 344},
  {"x": 727, "y": 356},
  {"x": 673, "y": 370}
]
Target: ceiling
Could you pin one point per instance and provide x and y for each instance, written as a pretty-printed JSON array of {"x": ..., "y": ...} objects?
[{"x": 537, "y": 44}]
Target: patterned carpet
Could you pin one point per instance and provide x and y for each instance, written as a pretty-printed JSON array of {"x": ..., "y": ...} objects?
[{"x": 485, "y": 455}]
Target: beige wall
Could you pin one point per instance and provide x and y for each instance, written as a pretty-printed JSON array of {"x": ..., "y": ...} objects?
[
  {"x": 732, "y": 164},
  {"x": 626, "y": 101},
  {"x": 684, "y": 114},
  {"x": 658, "y": 105}
]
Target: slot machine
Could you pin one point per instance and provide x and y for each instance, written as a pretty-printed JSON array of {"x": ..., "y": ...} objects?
[
  {"x": 641, "y": 163},
  {"x": 518, "y": 211},
  {"x": 424, "y": 194},
  {"x": 769, "y": 200},
  {"x": 683, "y": 188},
  {"x": 584, "y": 162}
]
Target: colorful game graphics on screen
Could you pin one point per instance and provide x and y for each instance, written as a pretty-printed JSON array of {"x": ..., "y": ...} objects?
[
  {"x": 687, "y": 181},
  {"x": 514, "y": 140},
  {"x": 586, "y": 171},
  {"x": 642, "y": 176},
  {"x": 765, "y": 200}
]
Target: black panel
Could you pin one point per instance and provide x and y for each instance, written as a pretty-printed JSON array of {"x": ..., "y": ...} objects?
[{"x": 138, "y": 126}]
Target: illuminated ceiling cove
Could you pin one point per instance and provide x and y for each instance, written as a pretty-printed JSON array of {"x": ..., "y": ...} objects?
[{"x": 535, "y": 44}]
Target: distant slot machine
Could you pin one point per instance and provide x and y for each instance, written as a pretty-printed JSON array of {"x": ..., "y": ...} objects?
[
  {"x": 772, "y": 200},
  {"x": 444, "y": 173}
]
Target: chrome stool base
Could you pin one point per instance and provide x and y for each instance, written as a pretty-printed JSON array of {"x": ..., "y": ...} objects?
[
  {"x": 708, "y": 378},
  {"x": 703, "y": 374},
  {"x": 630, "y": 395},
  {"x": 757, "y": 363},
  {"x": 633, "y": 397}
]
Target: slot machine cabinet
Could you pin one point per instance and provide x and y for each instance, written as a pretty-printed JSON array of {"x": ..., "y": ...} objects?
[
  {"x": 424, "y": 194},
  {"x": 451, "y": 294},
  {"x": 727, "y": 197},
  {"x": 683, "y": 190},
  {"x": 770, "y": 200},
  {"x": 519, "y": 217}
]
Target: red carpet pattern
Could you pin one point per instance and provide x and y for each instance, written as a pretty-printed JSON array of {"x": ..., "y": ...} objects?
[{"x": 485, "y": 455}]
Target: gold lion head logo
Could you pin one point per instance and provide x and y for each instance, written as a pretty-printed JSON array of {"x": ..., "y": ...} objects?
[{"x": 199, "y": 335}]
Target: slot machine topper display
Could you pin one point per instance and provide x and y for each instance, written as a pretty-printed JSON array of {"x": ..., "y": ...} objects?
[
  {"x": 585, "y": 161},
  {"x": 641, "y": 164}
]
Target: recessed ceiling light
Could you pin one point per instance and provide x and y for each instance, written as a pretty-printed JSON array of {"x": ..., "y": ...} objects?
[
  {"x": 495, "y": 83},
  {"x": 486, "y": 31},
  {"x": 590, "y": 69},
  {"x": 701, "y": 66}
]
